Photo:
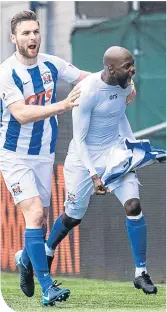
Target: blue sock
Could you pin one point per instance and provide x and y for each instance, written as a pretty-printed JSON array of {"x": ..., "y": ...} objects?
[
  {"x": 24, "y": 257},
  {"x": 58, "y": 232},
  {"x": 137, "y": 232},
  {"x": 34, "y": 244}
]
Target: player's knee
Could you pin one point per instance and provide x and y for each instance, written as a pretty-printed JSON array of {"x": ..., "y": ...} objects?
[
  {"x": 69, "y": 222},
  {"x": 132, "y": 207}
]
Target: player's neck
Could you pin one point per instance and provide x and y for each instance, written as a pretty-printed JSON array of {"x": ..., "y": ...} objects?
[
  {"x": 108, "y": 79},
  {"x": 24, "y": 60}
]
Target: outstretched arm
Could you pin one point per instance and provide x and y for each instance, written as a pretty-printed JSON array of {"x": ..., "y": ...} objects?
[
  {"x": 32, "y": 113},
  {"x": 13, "y": 99}
]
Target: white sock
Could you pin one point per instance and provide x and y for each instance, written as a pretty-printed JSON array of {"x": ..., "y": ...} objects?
[
  {"x": 49, "y": 251},
  {"x": 135, "y": 217},
  {"x": 139, "y": 271}
]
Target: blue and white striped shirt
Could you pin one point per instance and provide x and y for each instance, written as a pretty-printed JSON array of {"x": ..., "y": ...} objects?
[{"x": 36, "y": 85}]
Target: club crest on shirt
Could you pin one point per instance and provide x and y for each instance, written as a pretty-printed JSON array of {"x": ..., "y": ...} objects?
[
  {"x": 47, "y": 78},
  {"x": 71, "y": 198},
  {"x": 16, "y": 189}
]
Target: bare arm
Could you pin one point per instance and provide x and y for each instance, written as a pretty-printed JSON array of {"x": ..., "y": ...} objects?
[
  {"x": 132, "y": 95},
  {"x": 83, "y": 75},
  {"x": 31, "y": 113}
]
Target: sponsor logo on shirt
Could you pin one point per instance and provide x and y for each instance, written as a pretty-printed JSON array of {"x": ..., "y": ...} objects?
[
  {"x": 113, "y": 97},
  {"x": 38, "y": 99},
  {"x": 25, "y": 82}
]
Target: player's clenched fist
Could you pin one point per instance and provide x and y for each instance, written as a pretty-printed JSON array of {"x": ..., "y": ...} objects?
[{"x": 100, "y": 189}]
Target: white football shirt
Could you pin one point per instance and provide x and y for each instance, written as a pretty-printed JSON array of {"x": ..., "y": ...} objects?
[
  {"x": 99, "y": 119},
  {"x": 36, "y": 85}
]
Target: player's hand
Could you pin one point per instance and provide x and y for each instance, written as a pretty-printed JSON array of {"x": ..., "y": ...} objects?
[
  {"x": 100, "y": 189},
  {"x": 70, "y": 101},
  {"x": 132, "y": 95}
]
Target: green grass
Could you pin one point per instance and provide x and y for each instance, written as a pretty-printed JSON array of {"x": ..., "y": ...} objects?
[{"x": 86, "y": 296}]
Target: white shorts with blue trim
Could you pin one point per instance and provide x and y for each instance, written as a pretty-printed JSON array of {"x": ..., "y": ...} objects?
[
  {"x": 79, "y": 185},
  {"x": 27, "y": 176}
]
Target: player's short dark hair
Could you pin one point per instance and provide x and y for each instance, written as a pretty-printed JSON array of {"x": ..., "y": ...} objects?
[{"x": 27, "y": 15}]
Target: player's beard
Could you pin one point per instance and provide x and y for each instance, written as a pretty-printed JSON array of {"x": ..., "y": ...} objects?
[
  {"x": 122, "y": 81},
  {"x": 24, "y": 52}
]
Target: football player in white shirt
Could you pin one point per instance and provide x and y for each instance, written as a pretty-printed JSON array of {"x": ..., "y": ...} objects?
[
  {"x": 27, "y": 142},
  {"x": 99, "y": 124}
]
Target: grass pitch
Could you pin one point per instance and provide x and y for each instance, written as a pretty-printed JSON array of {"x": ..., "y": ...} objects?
[{"x": 86, "y": 296}]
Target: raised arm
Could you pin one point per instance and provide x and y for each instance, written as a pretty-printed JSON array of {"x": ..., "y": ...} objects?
[
  {"x": 83, "y": 74},
  {"x": 132, "y": 94}
]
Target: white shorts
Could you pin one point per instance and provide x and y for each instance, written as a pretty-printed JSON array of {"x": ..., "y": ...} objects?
[
  {"x": 79, "y": 187},
  {"x": 27, "y": 176}
]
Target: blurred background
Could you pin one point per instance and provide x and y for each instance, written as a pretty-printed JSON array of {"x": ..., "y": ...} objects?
[{"x": 80, "y": 32}]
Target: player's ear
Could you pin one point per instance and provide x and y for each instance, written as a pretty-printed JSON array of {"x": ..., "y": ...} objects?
[
  {"x": 13, "y": 38},
  {"x": 111, "y": 70}
]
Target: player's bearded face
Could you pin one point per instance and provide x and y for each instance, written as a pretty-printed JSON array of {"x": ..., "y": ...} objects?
[
  {"x": 124, "y": 76},
  {"x": 29, "y": 51},
  {"x": 123, "y": 80},
  {"x": 124, "y": 70},
  {"x": 28, "y": 39}
]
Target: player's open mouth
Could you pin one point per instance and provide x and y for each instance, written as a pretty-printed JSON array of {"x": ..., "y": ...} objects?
[{"x": 32, "y": 46}]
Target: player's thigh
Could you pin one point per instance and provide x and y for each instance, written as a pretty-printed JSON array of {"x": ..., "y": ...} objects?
[
  {"x": 79, "y": 188},
  {"x": 128, "y": 189},
  {"x": 43, "y": 170},
  {"x": 19, "y": 178},
  {"x": 45, "y": 216}
]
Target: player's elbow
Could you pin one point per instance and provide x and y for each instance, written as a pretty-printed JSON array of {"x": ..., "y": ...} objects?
[
  {"x": 23, "y": 121},
  {"x": 21, "y": 118}
]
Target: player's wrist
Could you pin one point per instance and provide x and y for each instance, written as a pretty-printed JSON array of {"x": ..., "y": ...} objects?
[
  {"x": 95, "y": 177},
  {"x": 64, "y": 106}
]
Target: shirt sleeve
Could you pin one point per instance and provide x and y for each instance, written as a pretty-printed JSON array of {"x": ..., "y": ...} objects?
[
  {"x": 9, "y": 92},
  {"x": 125, "y": 128},
  {"x": 81, "y": 116},
  {"x": 66, "y": 71}
]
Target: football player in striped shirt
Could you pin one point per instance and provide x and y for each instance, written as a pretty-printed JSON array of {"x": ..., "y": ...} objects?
[{"x": 27, "y": 142}]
